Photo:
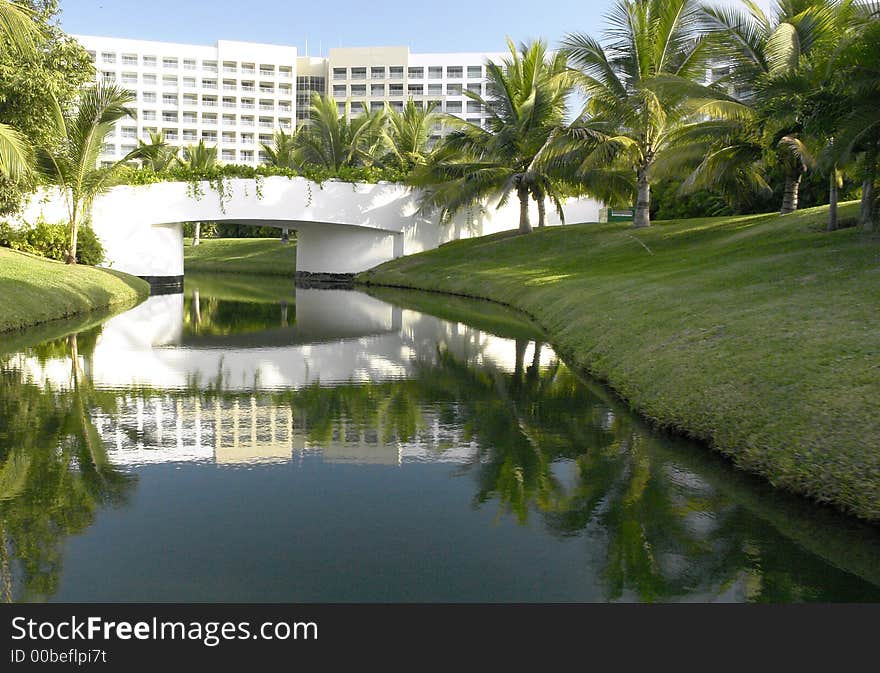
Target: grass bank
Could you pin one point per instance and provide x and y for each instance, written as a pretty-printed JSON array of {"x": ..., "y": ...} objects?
[
  {"x": 262, "y": 256},
  {"x": 35, "y": 290},
  {"x": 757, "y": 334}
]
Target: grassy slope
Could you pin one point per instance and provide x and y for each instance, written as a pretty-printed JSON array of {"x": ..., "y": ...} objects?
[
  {"x": 265, "y": 256},
  {"x": 759, "y": 334},
  {"x": 35, "y": 290}
]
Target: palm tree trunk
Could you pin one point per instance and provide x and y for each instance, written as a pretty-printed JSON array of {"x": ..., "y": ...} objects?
[
  {"x": 790, "y": 195},
  {"x": 525, "y": 227},
  {"x": 197, "y": 234},
  {"x": 866, "y": 208},
  {"x": 542, "y": 211},
  {"x": 832, "y": 200},
  {"x": 285, "y": 236},
  {"x": 642, "y": 217},
  {"x": 74, "y": 234}
]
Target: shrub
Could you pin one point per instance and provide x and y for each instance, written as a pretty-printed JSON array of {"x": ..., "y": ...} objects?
[{"x": 52, "y": 241}]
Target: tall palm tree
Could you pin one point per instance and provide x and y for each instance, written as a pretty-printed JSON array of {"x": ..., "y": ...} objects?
[
  {"x": 157, "y": 155},
  {"x": 332, "y": 140},
  {"x": 776, "y": 58},
  {"x": 526, "y": 105},
  {"x": 72, "y": 166},
  {"x": 282, "y": 151},
  {"x": 645, "y": 81},
  {"x": 16, "y": 32},
  {"x": 408, "y": 132}
]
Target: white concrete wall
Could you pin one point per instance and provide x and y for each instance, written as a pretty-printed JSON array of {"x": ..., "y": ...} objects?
[{"x": 344, "y": 227}]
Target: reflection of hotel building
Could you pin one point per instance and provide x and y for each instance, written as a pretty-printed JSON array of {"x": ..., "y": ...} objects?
[{"x": 235, "y": 95}]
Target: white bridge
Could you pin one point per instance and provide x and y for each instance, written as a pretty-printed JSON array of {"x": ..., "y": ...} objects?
[{"x": 342, "y": 227}]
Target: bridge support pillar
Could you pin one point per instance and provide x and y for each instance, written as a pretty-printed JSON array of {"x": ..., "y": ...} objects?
[{"x": 337, "y": 250}]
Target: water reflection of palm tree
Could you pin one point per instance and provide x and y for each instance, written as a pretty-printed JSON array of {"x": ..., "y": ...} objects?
[{"x": 54, "y": 474}]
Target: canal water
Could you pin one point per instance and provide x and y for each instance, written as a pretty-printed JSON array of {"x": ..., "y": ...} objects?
[{"x": 251, "y": 441}]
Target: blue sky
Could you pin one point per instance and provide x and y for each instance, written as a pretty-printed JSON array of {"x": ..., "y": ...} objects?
[{"x": 445, "y": 25}]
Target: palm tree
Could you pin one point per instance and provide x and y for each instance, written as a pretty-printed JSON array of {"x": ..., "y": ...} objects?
[
  {"x": 778, "y": 62},
  {"x": 157, "y": 155},
  {"x": 332, "y": 140},
  {"x": 198, "y": 158},
  {"x": 526, "y": 105},
  {"x": 282, "y": 152},
  {"x": 16, "y": 31},
  {"x": 407, "y": 134},
  {"x": 72, "y": 166},
  {"x": 646, "y": 81}
]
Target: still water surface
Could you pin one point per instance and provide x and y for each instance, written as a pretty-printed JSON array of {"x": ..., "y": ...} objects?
[{"x": 250, "y": 441}]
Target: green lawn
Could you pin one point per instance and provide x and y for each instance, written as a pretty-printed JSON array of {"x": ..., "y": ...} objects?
[
  {"x": 35, "y": 289},
  {"x": 266, "y": 256},
  {"x": 759, "y": 334}
]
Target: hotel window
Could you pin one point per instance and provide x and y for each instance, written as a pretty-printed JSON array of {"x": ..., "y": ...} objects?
[
  {"x": 209, "y": 101},
  {"x": 228, "y": 120},
  {"x": 339, "y": 73},
  {"x": 190, "y": 99},
  {"x": 474, "y": 106},
  {"x": 377, "y": 72},
  {"x": 189, "y": 117},
  {"x": 247, "y": 138},
  {"x": 416, "y": 89},
  {"x": 147, "y": 130},
  {"x": 210, "y": 66},
  {"x": 285, "y": 72},
  {"x": 229, "y": 85},
  {"x": 190, "y": 135},
  {"x": 168, "y": 116},
  {"x": 169, "y": 80},
  {"x": 264, "y": 158},
  {"x": 92, "y": 56},
  {"x": 475, "y": 71},
  {"x": 189, "y": 64},
  {"x": 435, "y": 72},
  {"x": 209, "y": 136},
  {"x": 228, "y": 102},
  {"x": 228, "y": 155},
  {"x": 437, "y": 104},
  {"x": 247, "y": 121},
  {"x": 108, "y": 77},
  {"x": 267, "y": 87},
  {"x": 395, "y": 89},
  {"x": 108, "y": 148},
  {"x": 108, "y": 57},
  {"x": 170, "y": 134},
  {"x": 395, "y": 72},
  {"x": 248, "y": 68},
  {"x": 230, "y": 66},
  {"x": 248, "y": 86},
  {"x": 229, "y": 136},
  {"x": 189, "y": 82},
  {"x": 148, "y": 96},
  {"x": 453, "y": 106},
  {"x": 453, "y": 89},
  {"x": 129, "y": 78},
  {"x": 285, "y": 89},
  {"x": 169, "y": 62},
  {"x": 266, "y": 123},
  {"x": 149, "y": 61},
  {"x": 148, "y": 115},
  {"x": 475, "y": 88},
  {"x": 266, "y": 138},
  {"x": 416, "y": 73},
  {"x": 247, "y": 155},
  {"x": 285, "y": 106},
  {"x": 284, "y": 123},
  {"x": 129, "y": 59},
  {"x": 377, "y": 90},
  {"x": 248, "y": 103},
  {"x": 435, "y": 89},
  {"x": 339, "y": 90},
  {"x": 359, "y": 90},
  {"x": 267, "y": 105},
  {"x": 376, "y": 105},
  {"x": 453, "y": 72},
  {"x": 267, "y": 70},
  {"x": 129, "y": 132},
  {"x": 149, "y": 79},
  {"x": 340, "y": 109},
  {"x": 359, "y": 73},
  {"x": 209, "y": 83},
  {"x": 209, "y": 118},
  {"x": 169, "y": 98}
]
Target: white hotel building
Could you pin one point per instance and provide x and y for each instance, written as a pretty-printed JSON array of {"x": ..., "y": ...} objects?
[{"x": 235, "y": 95}]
